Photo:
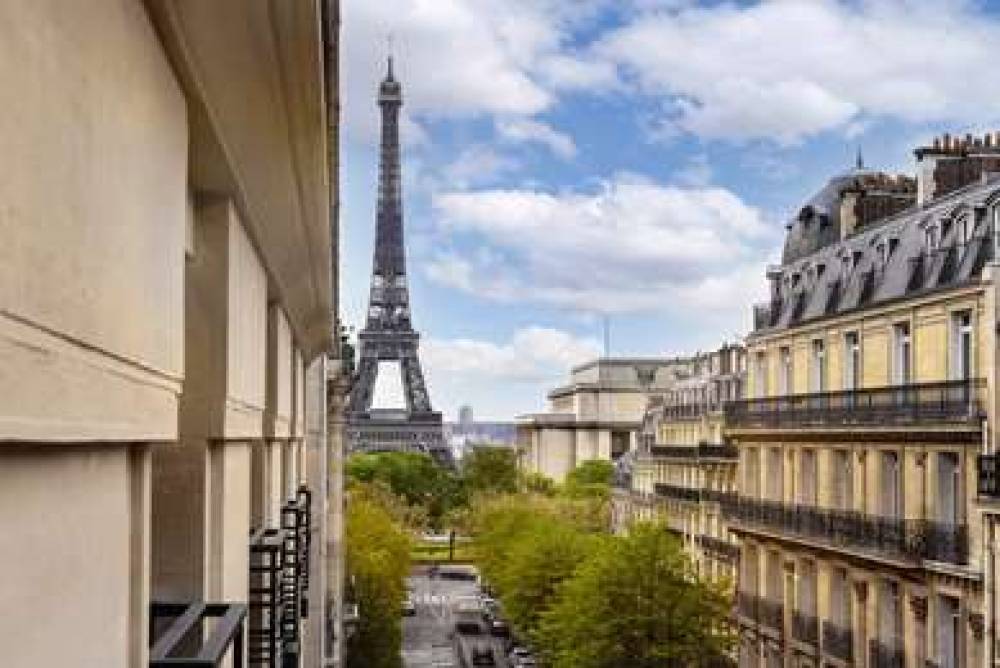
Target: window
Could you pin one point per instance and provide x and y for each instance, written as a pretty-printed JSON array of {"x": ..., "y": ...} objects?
[
  {"x": 752, "y": 480},
  {"x": 760, "y": 374},
  {"x": 775, "y": 475},
  {"x": 840, "y": 598},
  {"x": 961, "y": 349},
  {"x": 883, "y": 252},
  {"x": 949, "y": 633},
  {"x": 931, "y": 238},
  {"x": 818, "y": 365},
  {"x": 807, "y": 588},
  {"x": 843, "y": 480},
  {"x": 901, "y": 353},
  {"x": 949, "y": 488},
  {"x": 892, "y": 500},
  {"x": 852, "y": 361},
  {"x": 964, "y": 230},
  {"x": 890, "y": 614},
  {"x": 785, "y": 372},
  {"x": 807, "y": 477}
]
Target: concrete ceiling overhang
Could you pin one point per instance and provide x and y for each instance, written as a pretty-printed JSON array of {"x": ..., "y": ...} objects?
[{"x": 253, "y": 74}]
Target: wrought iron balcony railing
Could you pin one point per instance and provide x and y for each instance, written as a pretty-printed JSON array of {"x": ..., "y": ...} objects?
[
  {"x": 718, "y": 546},
  {"x": 700, "y": 451},
  {"x": 295, "y": 538},
  {"x": 915, "y": 404},
  {"x": 884, "y": 655},
  {"x": 685, "y": 411},
  {"x": 908, "y": 539},
  {"x": 771, "y": 613},
  {"x": 805, "y": 628},
  {"x": 264, "y": 646},
  {"x": 196, "y": 635},
  {"x": 838, "y": 641},
  {"x": 677, "y": 492}
]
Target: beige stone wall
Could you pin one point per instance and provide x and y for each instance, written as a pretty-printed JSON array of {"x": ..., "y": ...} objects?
[
  {"x": 75, "y": 548},
  {"x": 92, "y": 222}
]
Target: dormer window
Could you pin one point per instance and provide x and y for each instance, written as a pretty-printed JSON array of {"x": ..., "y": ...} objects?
[
  {"x": 945, "y": 228},
  {"x": 964, "y": 230},
  {"x": 882, "y": 249},
  {"x": 820, "y": 268},
  {"x": 893, "y": 244},
  {"x": 931, "y": 238},
  {"x": 845, "y": 262},
  {"x": 855, "y": 259}
]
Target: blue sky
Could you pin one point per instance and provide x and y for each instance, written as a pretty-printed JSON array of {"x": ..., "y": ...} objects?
[{"x": 567, "y": 160}]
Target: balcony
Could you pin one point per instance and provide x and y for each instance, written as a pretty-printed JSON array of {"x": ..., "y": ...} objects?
[
  {"x": 805, "y": 628},
  {"x": 264, "y": 645},
  {"x": 746, "y": 605},
  {"x": 771, "y": 613},
  {"x": 885, "y": 656},
  {"x": 685, "y": 411},
  {"x": 838, "y": 641},
  {"x": 719, "y": 547},
  {"x": 902, "y": 539},
  {"x": 677, "y": 492},
  {"x": 900, "y": 405},
  {"x": 700, "y": 451},
  {"x": 196, "y": 635}
]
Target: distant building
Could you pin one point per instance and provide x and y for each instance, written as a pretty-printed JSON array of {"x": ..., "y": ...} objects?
[
  {"x": 683, "y": 467},
  {"x": 465, "y": 415},
  {"x": 597, "y": 415}
]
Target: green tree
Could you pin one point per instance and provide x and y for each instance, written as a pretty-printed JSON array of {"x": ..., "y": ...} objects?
[
  {"x": 490, "y": 469},
  {"x": 592, "y": 478},
  {"x": 413, "y": 476},
  {"x": 538, "y": 483},
  {"x": 377, "y": 562},
  {"x": 636, "y": 601}
]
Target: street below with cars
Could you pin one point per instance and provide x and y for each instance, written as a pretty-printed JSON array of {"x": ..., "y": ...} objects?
[{"x": 451, "y": 621}]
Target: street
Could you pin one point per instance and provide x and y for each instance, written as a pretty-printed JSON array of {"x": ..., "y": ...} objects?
[{"x": 427, "y": 636}]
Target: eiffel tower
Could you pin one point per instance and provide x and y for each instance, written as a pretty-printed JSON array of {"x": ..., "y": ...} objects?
[{"x": 388, "y": 338}]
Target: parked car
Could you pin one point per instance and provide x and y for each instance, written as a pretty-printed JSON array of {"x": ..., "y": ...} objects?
[
  {"x": 483, "y": 656},
  {"x": 526, "y": 662},
  {"x": 409, "y": 607},
  {"x": 517, "y": 652},
  {"x": 499, "y": 628}
]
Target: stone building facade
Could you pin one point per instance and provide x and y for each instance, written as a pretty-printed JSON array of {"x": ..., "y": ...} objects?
[
  {"x": 871, "y": 393},
  {"x": 597, "y": 415},
  {"x": 167, "y": 305},
  {"x": 682, "y": 467}
]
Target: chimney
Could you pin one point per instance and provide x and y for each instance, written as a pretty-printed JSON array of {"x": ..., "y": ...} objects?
[{"x": 988, "y": 140}]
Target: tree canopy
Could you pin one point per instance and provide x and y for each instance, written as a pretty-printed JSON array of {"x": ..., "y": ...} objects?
[
  {"x": 636, "y": 601},
  {"x": 490, "y": 470},
  {"x": 377, "y": 563}
]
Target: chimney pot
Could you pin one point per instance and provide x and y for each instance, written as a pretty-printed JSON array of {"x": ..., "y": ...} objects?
[
  {"x": 987, "y": 139},
  {"x": 946, "y": 141},
  {"x": 968, "y": 139},
  {"x": 937, "y": 142}
]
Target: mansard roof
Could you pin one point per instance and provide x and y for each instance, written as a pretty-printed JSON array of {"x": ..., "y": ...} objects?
[{"x": 918, "y": 250}]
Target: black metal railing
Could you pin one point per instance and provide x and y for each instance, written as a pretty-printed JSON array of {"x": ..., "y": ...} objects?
[
  {"x": 719, "y": 547},
  {"x": 838, "y": 641},
  {"x": 718, "y": 496},
  {"x": 196, "y": 635},
  {"x": 676, "y": 492},
  {"x": 264, "y": 642},
  {"x": 771, "y": 613},
  {"x": 685, "y": 411},
  {"x": 295, "y": 532},
  {"x": 909, "y": 539},
  {"x": 303, "y": 498},
  {"x": 746, "y": 604},
  {"x": 884, "y": 655},
  {"x": 914, "y": 404},
  {"x": 700, "y": 451},
  {"x": 805, "y": 628}
]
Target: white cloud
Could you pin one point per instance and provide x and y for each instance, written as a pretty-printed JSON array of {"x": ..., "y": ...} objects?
[
  {"x": 524, "y": 130},
  {"x": 464, "y": 58},
  {"x": 630, "y": 245},
  {"x": 790, "y": 69},
  {"x": 476, "y": 164},
  {"x": 533, "y": 354}
]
